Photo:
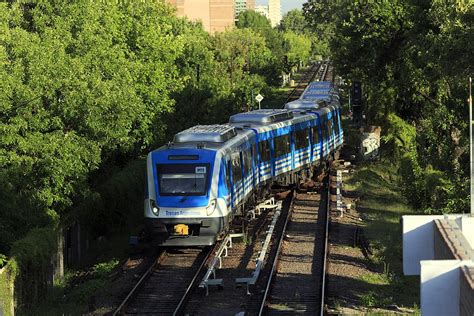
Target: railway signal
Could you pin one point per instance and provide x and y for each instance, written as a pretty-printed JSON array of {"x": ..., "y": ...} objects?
[{"x": 259, "y": 99}]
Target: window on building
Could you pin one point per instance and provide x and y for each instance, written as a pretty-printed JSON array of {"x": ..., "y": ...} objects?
[
  {"x": 301, "y": 139},
  {"x": 282, "y": 145}
]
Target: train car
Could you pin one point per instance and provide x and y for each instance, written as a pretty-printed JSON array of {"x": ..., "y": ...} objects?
[
  {"x": 320, "y": 91},
  {"x": 211, "y": 174}
]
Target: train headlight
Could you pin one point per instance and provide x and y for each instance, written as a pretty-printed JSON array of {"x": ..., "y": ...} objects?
[
  {"x": 212, "y": 207},
  {"x": 154, "y": 208}
]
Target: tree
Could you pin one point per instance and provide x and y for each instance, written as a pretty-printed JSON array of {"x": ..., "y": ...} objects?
[
  {"x": 253, "y": 20},
  {"x": 294, "y": 21},
  {"x": 403, "y": 53},
  {"x": 297, "y": 50},
  {"x": 81, "y": 82}
]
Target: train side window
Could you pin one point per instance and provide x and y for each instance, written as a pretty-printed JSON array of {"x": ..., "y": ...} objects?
[
  {"x": 254, "y": 153},
  {"x": 282, "y": 145},
  {"x": 315, "y": 135},
  {"x": 329, "y": 125},
  {"x": 236, "y": 168},
  {"x": 227, "y": 174},
  {"x": 264, "y": 149},
  {"x": 324, "y": 131},
  {"x": 301, "y": 139},
  {"x": 335, "y": 122},
  {"x": 247, "y": 159}
]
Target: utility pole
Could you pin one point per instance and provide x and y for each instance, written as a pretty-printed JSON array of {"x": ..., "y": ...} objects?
[{"x": 470, "y": 146}]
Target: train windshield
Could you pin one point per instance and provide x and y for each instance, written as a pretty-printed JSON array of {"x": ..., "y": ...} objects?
[{"x": 182, "y": 179}]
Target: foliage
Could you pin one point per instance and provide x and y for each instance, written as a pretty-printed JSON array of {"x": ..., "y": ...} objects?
[
  {"x": 402, "y": 51},
  {"x": 297, "y": 49},
  {"x": 253, "y": 20},
  {"x": 3, "y": 260},
  {"x": 7, "y": 280},
  {"x": 295, "y": 22},
  {"x": 84, "y": 82}
]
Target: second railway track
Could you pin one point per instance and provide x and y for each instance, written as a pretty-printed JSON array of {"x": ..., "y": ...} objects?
[{"x": 297, "y": 278}]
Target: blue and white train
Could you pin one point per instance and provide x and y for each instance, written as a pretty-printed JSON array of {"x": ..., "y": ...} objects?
[{"x": 197, "y": 184}]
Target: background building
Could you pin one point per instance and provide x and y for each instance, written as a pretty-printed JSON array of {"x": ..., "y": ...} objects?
[
  {"x": 274, "y": 12},
  {"x": 263, "y": 10},
  {"x": 242, "y": 5},
  {"x": 215, "y": 15}
]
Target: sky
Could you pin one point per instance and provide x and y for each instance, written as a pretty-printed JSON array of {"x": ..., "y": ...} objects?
[{"x": 286, "y": 5}]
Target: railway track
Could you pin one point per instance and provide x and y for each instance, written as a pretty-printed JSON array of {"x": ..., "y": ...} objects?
[
  {"x": 295, "y": 260},
  {"x": 166, "y": 285},
  {"x": 313, "y": 72},
  {"x": 297, "y": 278}
]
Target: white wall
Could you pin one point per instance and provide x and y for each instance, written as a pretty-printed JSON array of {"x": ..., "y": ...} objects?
[
  {"x": 467, "y": 227},
  {"x": 440, "y": 287},
  {"x": 418, "y": 241}
]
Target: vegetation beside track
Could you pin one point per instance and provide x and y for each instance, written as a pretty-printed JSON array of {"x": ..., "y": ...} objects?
[
  {"x": 413, "y": 59},
  {"x": 380, "y": 207}
]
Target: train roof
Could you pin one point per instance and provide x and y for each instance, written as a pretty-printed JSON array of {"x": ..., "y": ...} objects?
[
  {"x": 263, "y": 117},
  {"x": 218, "y": 133},
  {"x": 321, "y": 84},
  {"x": 300, "y": 104}
]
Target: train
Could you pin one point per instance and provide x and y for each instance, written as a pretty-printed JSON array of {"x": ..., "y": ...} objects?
[{"x": 210, "y": 174}]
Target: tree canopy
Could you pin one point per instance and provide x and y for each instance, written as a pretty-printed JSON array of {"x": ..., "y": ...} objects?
[
  {"x": 89, "y": 86},
  {"x": 403, "y": 52},
  {"x": 252, "y": 19}
]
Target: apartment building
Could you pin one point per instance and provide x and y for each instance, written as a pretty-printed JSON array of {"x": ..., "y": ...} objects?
[{"x": 215, "y": 15}]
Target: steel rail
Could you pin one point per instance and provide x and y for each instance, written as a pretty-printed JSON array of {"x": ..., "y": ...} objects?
[
  {"x": 144, "y": 277},
  {"x": 326, "y": 237},
  {"x": 277, "y": 257},
  {"x": 193, "y": 283},
  {"x": 299, "y": 85}
]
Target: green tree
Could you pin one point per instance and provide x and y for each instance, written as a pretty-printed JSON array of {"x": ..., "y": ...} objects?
[
  {"x": 253, "y": 20},
  {"x": 403, "y": 52},
  {"x": 82, "y": 82},
  {"x": 294, "y": 21},
  {"x": 297, "y": 50}
]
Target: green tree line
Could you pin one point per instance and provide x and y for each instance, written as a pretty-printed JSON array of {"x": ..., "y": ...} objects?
[
  {"x": 414, "y": 59},
  {"x": 87, "y": 87}
]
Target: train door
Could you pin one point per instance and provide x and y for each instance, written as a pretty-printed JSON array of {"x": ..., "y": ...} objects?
[
  {"x": 317, "y": 141},
  {"x": 254, "y": 164},
  {"x": 236, "y": 168},
  {"x": 247, "y": 170},
  {"x": 283, "y": 154},
  {"x": 265, "y": 160},
  {"x": 301, "y": 146}
]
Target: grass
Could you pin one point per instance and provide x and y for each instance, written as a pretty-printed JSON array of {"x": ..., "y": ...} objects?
[
  {"x": 276, "y": 98},
  {"x": 64, "y": 299},
  {"x": 381, "y": 207}
]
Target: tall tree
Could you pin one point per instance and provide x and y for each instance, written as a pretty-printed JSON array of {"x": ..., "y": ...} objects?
[{"x": 253, "y": 20}]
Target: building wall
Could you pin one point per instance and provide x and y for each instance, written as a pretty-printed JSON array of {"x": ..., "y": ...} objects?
[
  {"x": 467, "y": 291},
  {"x": 242, "y": 5},
  {"x": 221, "y": 15},
  {"x": 215, "y": 15},
  {"x": 274, "y": 11},
  {"x": 263, "y": 10}
]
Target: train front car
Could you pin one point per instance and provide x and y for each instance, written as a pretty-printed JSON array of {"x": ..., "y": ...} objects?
[{"x": 183, "y": 206}]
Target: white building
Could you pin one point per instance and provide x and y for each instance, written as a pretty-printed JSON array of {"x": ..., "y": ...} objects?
[
  {"x": 263, "y": 10},
  {"x": 274, "y": 12}
]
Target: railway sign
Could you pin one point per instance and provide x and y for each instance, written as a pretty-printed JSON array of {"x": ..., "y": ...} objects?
[{"x": 259, "y": 99}]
